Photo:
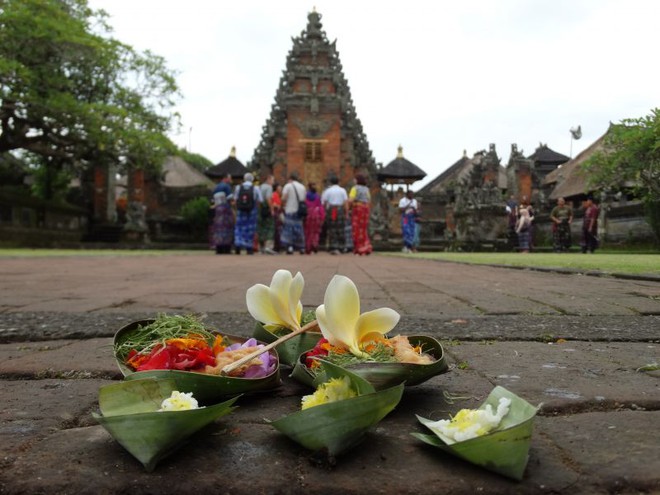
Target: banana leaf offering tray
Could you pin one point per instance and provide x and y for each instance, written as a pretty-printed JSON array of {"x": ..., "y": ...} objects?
[{"x": 181, "y": 349}]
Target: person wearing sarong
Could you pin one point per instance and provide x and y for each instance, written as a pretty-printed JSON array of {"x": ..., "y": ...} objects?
[
  {"x": 335, "y": 202},
  {"x": 293, "y": 235},
  {"x": 523, "y": 229},
  {"x": 246, "y": 221},
  {"x": 562, "y": 217},
  {"x": 314, "y": 220},
  {"x": 359, "y": 199},
  {"x": 278, "y": 216},
  {"x": 221, "y": 231},
  {"x": 408, "y": 209},
  {"x": 266, "y": 222},
  {"x": 525, "y": 203},
  {"x": 590, "y": 226}
]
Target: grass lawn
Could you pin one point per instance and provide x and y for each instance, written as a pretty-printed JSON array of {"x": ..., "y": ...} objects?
[
  {"x": 612, "y": 262},
  {"x": 637, "y": 264}
]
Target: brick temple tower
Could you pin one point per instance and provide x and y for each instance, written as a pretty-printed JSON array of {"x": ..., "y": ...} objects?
[{"x": 313, "y": 126}]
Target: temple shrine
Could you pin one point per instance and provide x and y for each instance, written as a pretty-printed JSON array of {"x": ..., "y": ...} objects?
[{"x": 313, "y": 127}]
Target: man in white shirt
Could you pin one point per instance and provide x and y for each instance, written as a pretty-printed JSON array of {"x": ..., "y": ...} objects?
[
  {"x": 293, "y": 235},
  {"x": 408, "y": 208},
  {"x": 335, "y": 201}
]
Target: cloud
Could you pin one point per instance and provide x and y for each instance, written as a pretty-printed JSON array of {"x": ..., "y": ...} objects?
[{"x": 435, "y": 77}]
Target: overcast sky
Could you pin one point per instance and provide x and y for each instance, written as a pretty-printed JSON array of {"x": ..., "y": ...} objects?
[{"x": 436, "y": 76}]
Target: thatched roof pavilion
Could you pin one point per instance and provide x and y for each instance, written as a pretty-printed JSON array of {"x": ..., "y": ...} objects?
[
  {"x": 400, "y": 171},
  {"x": 230, "y": 165}
]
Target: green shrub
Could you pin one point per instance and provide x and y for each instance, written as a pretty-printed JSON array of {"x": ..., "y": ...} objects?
[{"x": 196, "y": 214}]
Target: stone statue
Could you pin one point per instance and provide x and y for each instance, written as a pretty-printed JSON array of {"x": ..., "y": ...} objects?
[{"x": 136, "y": 217}]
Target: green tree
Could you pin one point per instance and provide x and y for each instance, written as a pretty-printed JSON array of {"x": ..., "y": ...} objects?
[
  {"x": 200, "y": 162},
  {"x": 631, "y": 157},
  {"x": 73, "y": 95}
]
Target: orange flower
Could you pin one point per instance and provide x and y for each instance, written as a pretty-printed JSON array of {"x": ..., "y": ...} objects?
[
  {"x": 218, "y": 345},
  {"x": 373, "y": 343},
  {"x": 191, "y": 342}
]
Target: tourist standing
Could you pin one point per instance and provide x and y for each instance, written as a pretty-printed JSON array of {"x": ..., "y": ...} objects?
[
  {"x": 523, "y": 229},
  {"x": 408, "y": 210},
  {"x": 247, "y": 198},
  {"x": 314, "y": 220},
  {"x": 278, "y": 216},
  {"x": 359, "y": 200},
  {"x": 512, "y": 220},
  {"x": 335, "y": 202},
  {"x": 266, "y": 222},
  {"x": 590, "y": 226},
  {"x": 562, "y": 217},
  {"x": 293, "y": 235},
  {"x": 221, "y": 234}
]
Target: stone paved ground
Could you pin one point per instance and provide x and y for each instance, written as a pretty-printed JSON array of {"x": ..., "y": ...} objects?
[{"x": 569, "y": 342}]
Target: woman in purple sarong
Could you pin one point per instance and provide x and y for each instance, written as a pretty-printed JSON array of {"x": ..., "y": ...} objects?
[
  {"x": 221, "y": 231},
  {"x": 314, "y": 220}
]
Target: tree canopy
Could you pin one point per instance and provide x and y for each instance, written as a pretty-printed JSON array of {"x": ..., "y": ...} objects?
[
  {"x": 631, "y": 153},
  {"x": 73, "y": 95}
]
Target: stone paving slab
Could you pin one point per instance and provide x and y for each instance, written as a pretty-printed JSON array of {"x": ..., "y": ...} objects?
[
  {"x": 54, "y": 420},
  {"x": 91, "y": 357},
  {"x": 35, "y": 409},
  {"x": 596, "y": 431},
  {"x": 106, "y": 283},
  {"x": 572, "y": 371},
  {"x": 588, "y": 450}
]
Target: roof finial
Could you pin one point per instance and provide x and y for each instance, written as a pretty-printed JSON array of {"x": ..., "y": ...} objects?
[
  {"x": 400, "y": 152},
  {"x": 314, "y": 9},
  {"x": 232, "y": 153},
  {"x": 464, "y": 153}
]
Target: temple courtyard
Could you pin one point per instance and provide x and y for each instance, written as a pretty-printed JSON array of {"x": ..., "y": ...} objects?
[{"x": 582, "y": 347}]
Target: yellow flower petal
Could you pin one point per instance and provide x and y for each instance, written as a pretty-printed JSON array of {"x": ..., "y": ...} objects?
[
  {"x": 295, "y": 293},
  {"x": 340, "y": 320},
  {"x": 342, "y": 309},
  {"x": 278, "y": 305},
  {"x": 279, "y": 292},
  {"x": 323, "y": 325},
  {"x": 259, "y": 306},
  {"x": 379, "y": 321}
]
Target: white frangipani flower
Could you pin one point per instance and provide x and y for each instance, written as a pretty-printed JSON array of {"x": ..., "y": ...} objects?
[
  {"x": 341, "y": 322},
  {"x": 470, "y": 423},
  {"x": 278, "y": 305},
  {"x": 179, "y": 401}
]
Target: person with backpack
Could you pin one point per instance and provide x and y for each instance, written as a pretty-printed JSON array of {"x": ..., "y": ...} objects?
[
  {"x": 247, "y": 199},
  {"x": 293, "y": 235}
]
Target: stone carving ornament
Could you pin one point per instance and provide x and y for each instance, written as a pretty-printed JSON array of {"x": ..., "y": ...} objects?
[{"x": 314, "y": 127}]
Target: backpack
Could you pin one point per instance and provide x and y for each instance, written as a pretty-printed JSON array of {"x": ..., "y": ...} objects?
[
  {"x": 245, "y": 199},
  {"x": 302, "y": 206}
]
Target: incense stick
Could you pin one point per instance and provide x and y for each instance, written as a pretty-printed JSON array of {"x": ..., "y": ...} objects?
[{"x": 237, "y": 364}]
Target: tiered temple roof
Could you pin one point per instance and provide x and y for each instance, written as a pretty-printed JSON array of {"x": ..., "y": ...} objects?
[{"x": 312, "y": 98}]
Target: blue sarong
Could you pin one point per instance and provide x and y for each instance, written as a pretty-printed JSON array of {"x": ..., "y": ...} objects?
[
  {"x": 292, "y": 232},
  {"x": 408, "y": 229},
  {"x": 246, "y": 226}
]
